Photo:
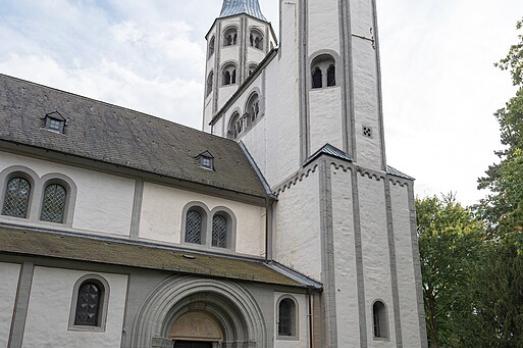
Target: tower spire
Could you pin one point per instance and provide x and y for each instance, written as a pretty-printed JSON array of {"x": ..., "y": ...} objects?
[{"x": 234, "y": 7}]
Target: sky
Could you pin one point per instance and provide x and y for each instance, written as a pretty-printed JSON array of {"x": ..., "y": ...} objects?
[{"x": 440, "y": 86}]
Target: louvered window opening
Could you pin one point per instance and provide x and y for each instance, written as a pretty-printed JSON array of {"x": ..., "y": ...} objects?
[
  {"x": 53, "y": 205},
  {"x": 219, "y": 231},
  {"x": 193, "y": 227},
  {"x": 88, "y": 304},
  {"x": 286, "y": 318},
  {"x": 16, "y": 198}
]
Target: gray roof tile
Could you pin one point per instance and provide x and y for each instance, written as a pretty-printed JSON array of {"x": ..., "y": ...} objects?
[{"x": 116, "y": 135}]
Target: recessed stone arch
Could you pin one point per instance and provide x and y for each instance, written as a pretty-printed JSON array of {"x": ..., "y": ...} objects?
[{"x": 232, "y": 306}]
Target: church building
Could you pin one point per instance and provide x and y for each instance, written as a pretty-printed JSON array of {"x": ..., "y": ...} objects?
[{"x": 279, "y": 225}]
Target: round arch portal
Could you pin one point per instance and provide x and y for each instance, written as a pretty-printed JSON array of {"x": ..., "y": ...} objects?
[{"x": 224, "y": 313}]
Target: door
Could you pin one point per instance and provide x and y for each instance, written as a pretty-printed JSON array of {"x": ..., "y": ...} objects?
[{"x": 189, "y": 344}]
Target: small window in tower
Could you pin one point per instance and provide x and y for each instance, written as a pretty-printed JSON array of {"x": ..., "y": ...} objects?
[
  {"x": 256, "y": 39},
  {"x": 211, "y": 47},
  {"x": 210, "y": 81},
  {"x": 230, "y": 37},
  {"x": 323, "y": 71},
  {"x": 229, "y": 75},
  {"x": 367, "y": 131},
  {"x": 252, "y": 68}
]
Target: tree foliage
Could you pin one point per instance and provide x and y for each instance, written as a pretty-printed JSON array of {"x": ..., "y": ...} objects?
[
  {"x": 451, "y": 240},
  {"x": 472, "y": 260}
]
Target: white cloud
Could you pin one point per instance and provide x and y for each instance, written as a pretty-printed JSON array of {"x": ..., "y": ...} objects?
[{"x": 440, "y": 86}]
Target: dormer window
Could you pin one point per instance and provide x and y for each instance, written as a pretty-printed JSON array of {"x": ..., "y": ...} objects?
[
  {"x": 206, "y": 160},
  {"x": 55, "y": 122}
]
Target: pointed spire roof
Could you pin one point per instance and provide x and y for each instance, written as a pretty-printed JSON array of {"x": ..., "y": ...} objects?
[{"x": 234, "y": 7}]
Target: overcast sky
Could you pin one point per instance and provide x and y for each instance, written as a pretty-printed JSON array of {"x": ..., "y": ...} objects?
[{"x": 440, "y": 87}]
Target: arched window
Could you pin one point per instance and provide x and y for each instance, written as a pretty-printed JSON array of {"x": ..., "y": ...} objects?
[
  {"x": 287, "y": 323},
  {"x": 323, "y": 71},
  {"x": 220, "y": 230},
  {"x": 253, "y": 107},
  {"x": 229, "y": 75},
  {"x": 379, "y": 315},
  {"x": 210, "y": 80},
  {"x": 53, "y": 203},
  {"x": 230, "y": 37},
  {"x": 89, "y": 303},
  {"x": 252, "y": 68},
  {"x": 16, "y": 197},
  {"x": 331, "y": 76},
  {"x": 317, "y": 78},
  {"x": 211, "y": 46},
  {"x": 235, "y": 126},
  {"x": 256, "y": 39},
  {"x": 194, "y": 224}
]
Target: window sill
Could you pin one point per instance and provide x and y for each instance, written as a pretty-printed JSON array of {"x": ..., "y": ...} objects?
[
  {"x": 93, "y": 329},
  {"x": 287, "y": 338}
]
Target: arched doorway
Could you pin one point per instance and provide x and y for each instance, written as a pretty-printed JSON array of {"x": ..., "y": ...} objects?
[
  {"x": 187, "y": 312},
  {"x": 196, "y": 329}
]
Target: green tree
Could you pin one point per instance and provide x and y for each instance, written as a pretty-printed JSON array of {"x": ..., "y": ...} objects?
[
  {"x": 451, "y": 241},
  {"x": 499, "y": 290}
]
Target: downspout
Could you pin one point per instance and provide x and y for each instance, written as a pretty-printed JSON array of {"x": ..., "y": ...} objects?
[
  {"x": 311, "y": 319},
  {"x": 268, "y": 228}
]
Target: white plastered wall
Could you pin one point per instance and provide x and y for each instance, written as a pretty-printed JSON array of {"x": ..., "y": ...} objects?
[
  {"x": 325, "y": 123},
  {"x": 376, "y": 257},
  {"x": 365, "y": 75},
  {"x": 323, "y": 25},
  {"x": 297, "y": 242},
  {"x": 303, "y": 322},
  {"x": 162, "y": 212},
  {"x": 347, "y": 310},
  {"x": 49, "y": 310},
  {"x": 9, "y": 274},
  {"x": 103, "y": 202},
  {"x": 410, "y": 325}
]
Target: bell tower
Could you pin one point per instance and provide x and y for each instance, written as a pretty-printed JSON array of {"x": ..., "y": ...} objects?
[{"x": 237, "y": 42}]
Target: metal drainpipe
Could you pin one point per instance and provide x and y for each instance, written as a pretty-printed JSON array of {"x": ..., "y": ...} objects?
[{"x": 311, "y": 320}]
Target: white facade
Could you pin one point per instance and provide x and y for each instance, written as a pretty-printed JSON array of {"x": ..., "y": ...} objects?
[
  {"x": 48, "y": 316},
  {"x": 9, "y": 273},
  {"x": 335, "y": 219}
]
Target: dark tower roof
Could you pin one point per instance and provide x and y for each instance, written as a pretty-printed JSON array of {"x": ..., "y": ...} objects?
[{"x": 234, "y": 7}]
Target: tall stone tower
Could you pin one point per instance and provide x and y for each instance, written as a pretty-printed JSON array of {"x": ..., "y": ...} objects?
[
  {"x": 237, "y": 42},
  {"x": 311, "y": 119}
]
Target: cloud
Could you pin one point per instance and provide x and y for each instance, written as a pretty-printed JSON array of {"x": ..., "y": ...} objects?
[{"x": 440, "y": 87}]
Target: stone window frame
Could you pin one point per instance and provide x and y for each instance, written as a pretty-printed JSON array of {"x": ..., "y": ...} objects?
[
  {"x": 209, "y": 84},
  {"x": 255, "y": 30},
  {"x": 226, "y": 31},
  {"x": 296, "y": 336},
  {"x": 247, "y": 123},
  {"x": 19, "y": 172},
  {"x": 211, "y": 47},
  {"x": 386, "y": 323},
  {"x": 230, "y": 66},
  {"x": 104, "y": 305},
  {"x": 252, "y": 68},
  {"x": 207, "y": 227},
  {"x": 38, "y": 185},
  {"x": 338, "y": 71}
]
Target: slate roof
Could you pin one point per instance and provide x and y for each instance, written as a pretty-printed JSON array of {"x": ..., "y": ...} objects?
[
  {"x": 103, "y": 132},
  {"x": 234, "y": 7},
  {"x": 134, "y": 254}
]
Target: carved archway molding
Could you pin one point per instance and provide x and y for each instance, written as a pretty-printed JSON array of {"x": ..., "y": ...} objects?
[{"x": 229, "y": 303}]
